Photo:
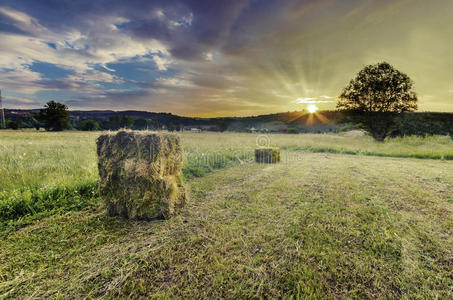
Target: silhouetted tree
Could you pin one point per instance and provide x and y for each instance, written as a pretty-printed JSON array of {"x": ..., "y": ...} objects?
[
  {"x": 55, "y": 116},
  {"x": 375, "y": 96}
]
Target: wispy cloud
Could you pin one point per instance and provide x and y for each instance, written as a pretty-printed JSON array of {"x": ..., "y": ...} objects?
[{"x": 312, "y": 100}]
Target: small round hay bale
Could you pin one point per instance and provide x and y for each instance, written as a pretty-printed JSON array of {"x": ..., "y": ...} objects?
[
  {"x": 140, "y": 174},
  {"x": 267, "y": 155}
]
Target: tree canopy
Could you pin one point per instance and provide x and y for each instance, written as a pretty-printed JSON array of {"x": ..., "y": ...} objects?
[
  {"x": 375, "y": 96},
  {"x": 88, "y": 125},
  {"x": 55, "y": 116},
  {"x": 379, "y": 88}
]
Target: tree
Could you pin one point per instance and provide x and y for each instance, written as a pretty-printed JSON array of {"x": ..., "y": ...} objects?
[
  {"x": 222, "y": 125},
  {"x": 171, "y": 127},
  {"x": 55, "y": 116},
  {"x": 140, "y": 124},
  {"x": 375, "y": 96},
  {"x": 16, "y": 124},
  {"x": 118, "y": 122},
  {"x": 35, "y": 121},
  {"x": 88, "y": 125},
  {"x": 157, "y": 125}
]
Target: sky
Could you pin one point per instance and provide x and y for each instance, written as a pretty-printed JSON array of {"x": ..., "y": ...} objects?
[{"x": 218, "y": 58}]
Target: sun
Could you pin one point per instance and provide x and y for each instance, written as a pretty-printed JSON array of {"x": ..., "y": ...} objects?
[{"x": 312, "y": 108}]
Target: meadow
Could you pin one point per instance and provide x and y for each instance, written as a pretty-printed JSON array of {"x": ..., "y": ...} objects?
[{"x": 340, "y": 216}]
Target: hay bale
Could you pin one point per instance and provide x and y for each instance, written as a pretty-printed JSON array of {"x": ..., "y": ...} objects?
[
  {"x": 267, "y": 155},
  {"x": 141, "y": 174}
]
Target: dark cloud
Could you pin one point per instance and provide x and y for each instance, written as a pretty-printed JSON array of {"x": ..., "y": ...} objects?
[
  {"x": 155, "y": 29},
  {"x": 189, "y": 28}
]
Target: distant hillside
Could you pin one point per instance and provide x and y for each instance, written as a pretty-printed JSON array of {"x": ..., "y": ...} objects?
[{"x": 297, "y": 121}]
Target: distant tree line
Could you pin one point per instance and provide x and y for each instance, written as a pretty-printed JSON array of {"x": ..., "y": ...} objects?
[
  {"x": 125, "y": 122},
  {"x": 55, "y": 116}
]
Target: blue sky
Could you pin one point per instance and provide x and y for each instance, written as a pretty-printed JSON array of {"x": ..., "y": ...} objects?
[{"x": 217, "y": 58}]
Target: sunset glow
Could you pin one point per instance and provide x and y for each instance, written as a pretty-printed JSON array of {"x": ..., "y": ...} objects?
[{"x": 312, "y": 108}]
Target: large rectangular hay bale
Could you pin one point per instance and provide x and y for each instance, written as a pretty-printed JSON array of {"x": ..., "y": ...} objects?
[
  {"x": 140, "y": 174},
  {"x": 267, "y": 155}
]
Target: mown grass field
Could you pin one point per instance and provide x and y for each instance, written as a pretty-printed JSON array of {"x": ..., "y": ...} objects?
[{"x": 321, "y": 224}]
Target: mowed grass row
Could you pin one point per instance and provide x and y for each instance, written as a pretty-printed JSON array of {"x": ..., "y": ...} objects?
[
  {"x": 321, "y": 226},
  {"x": 42, "y": 173}
]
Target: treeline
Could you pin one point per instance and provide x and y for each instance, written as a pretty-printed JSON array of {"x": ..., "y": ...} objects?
[
  {"x": 403, "y": 124},
  {"x": 35, "y": 120},
  {"x": 55, "y": 116},
  {"x": 123, "y": 121},
  {"x": 423, "y": 124}
]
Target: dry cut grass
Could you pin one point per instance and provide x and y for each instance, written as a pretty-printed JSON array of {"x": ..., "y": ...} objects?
[{"x": 322, "y": 226}]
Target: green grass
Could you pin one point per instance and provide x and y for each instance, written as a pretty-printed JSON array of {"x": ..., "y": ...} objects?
[
  {"x": 317, "y": 225},
  {"x": 431, "y": 147},
  {"x": 40, "y": 171},
  {"x": 324, "y": 226},
  {"x": 30, "y": 158}
]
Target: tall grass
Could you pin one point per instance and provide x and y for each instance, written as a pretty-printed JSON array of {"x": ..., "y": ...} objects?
[
  {"x": 46, "y": 159},
  {"x": 431, "y": 147},
  {"x": 29, "y": 158},
  {"x": 43, "y": 201},
  {"x": 44, "y": 171}
]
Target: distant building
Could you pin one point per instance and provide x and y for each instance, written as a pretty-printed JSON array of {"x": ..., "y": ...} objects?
[
  {"x": 20, "y": 112},
  {"x": 199, "y": 128}
]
